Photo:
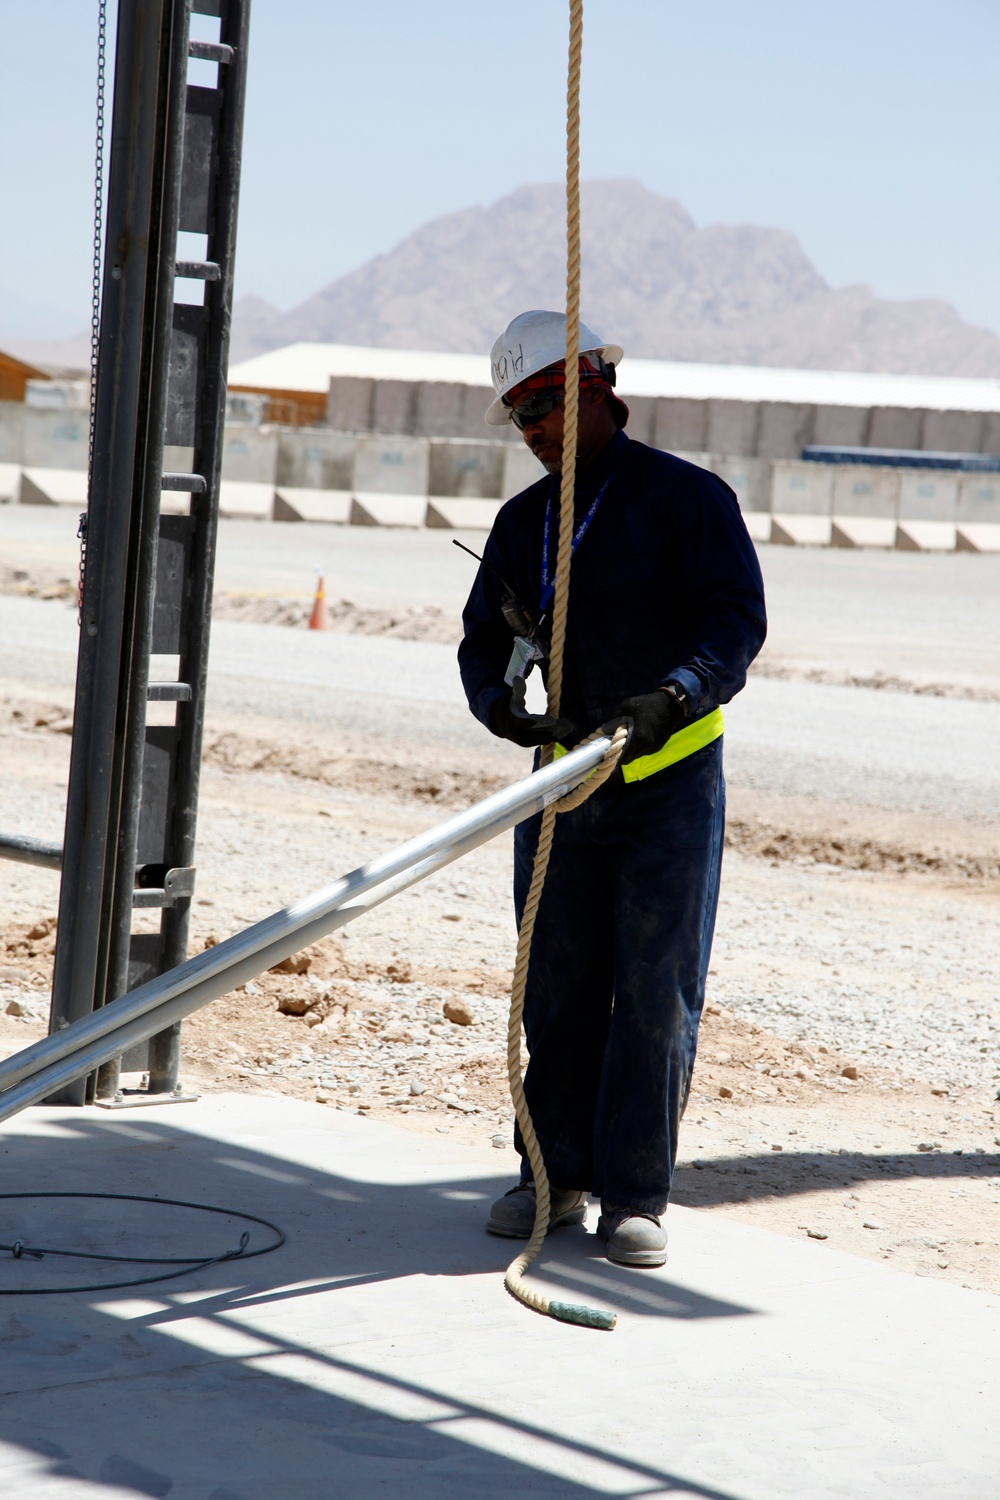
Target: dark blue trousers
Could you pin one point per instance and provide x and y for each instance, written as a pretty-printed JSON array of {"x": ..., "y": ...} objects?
[{"x": 616, "y": 981}]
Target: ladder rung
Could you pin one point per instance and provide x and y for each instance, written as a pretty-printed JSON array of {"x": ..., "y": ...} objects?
[
  {"x": 168, "y": 692},
  {"x": 198, "y": 270},
  {"x": 194, "y": 484},
  {"x": 211, "y": 51}
]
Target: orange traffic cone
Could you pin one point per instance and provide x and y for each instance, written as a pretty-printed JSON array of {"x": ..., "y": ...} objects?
[{"x": 317, "y": 620}]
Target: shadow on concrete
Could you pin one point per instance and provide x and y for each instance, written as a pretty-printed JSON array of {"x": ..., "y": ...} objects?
[
  {"x": 777, "y": 1174},
  {"x": 245, "y": 1382}
]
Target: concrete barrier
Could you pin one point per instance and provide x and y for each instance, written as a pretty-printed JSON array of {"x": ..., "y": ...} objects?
[
  {"x": 349, "y": 403},
  {"x": 895, "y": 427},
  {"x": 460, "y": 514},
  {"x": 926, "y": 536},
  {"x": 55, "y": 439},
  {"x": 246, "y": 500},
  {"x": 844, "y": 426},
  {"x": 315, "y": 458},
  {"x": 12, "y": 432},
  {"x": 758, "y": 524},
  {"x": 801, "y": 489},
  {"x": 972, "y": 536},
  {"x": 927, "y": 496},
  {"x": 470, "y": 468},
  {"x": 381, "y": 509},
  {"x": 10, "y": 483},
  {"x": 520, "y": 470},
  {"x": 731, "y": 428},
  {"x": 864, "y": 490},
  {"x": 862, "y": 531},
  {"x": 800, "y": 531},
  {"x": 784, "y": 428},
  {"x": 750, "y": 478},
  {"x": 250, "y": 454},
  {"x": 979, "y": 499},
  {"x": 391, "y": 466},
  {"x": 642, "y": 418},
  {"x": 330, "y": 506},
  {"x": 54, "y": 487},
  {"x": 952, "y": 431},
  {"x": 680, "y": 424}
]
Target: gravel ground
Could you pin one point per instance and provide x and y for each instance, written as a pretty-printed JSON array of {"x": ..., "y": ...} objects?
[{"x": 857, "y": 930}]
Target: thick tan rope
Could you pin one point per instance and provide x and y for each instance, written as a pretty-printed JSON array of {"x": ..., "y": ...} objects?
[{"x": 514, "y": 1280}]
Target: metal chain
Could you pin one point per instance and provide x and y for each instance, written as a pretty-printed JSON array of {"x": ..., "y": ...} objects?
[{"x": 95, "y": 289}]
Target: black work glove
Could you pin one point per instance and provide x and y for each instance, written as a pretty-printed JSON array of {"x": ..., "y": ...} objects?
[
  {"x": 527, "y": 729},
  {"x": 655, "y": 717}
]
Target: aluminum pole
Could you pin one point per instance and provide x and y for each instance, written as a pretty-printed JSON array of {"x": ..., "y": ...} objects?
[
  {"x": 29, "y": 851},
  {"x": 29, "y": 1075}
]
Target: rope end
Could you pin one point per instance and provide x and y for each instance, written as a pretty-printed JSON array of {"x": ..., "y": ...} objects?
[{"x": 584, "y": 1317}]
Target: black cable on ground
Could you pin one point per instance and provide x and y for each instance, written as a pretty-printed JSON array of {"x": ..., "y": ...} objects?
[{"x": 188, "y": 1264}]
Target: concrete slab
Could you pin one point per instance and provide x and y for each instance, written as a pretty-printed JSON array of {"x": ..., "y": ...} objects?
[
  {"x": 984, "y": 537},
  {"x": 54, "y": 487},
  {"x": 245, "y": 499},
  {"x": 925, "y": 536},
  {"x": 368, "y": 509},
  {"x": 331, "y": 506},
  {"x": 462, "y": 514},
  {"x": 378, "y": 1353},
  {"x": 10, "y": 483},
  {"x": 862, "y": 531},
  {"x": 800, "y": 531}
]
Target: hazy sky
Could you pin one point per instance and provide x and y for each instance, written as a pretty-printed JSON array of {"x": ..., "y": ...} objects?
[{"x": 869, "y": 128}]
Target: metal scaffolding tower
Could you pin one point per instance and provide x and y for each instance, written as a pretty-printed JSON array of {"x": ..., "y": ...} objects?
[{"x": 147, "y": 588}]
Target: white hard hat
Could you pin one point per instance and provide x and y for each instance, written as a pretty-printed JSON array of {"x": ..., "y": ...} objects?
[{"x": 532, "y": 342}]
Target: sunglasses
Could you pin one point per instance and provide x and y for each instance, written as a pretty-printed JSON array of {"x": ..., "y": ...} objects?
[{"x": 535, "y": 408}]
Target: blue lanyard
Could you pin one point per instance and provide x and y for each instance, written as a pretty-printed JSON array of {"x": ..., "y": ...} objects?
[{"x": 548, "y": 585}]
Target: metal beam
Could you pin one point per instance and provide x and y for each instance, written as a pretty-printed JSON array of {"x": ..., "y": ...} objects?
[
  {"x": 55, "y": 1062},
  {"x": 28, "y": 851}
]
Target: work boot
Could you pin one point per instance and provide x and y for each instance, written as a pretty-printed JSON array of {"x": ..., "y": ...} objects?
[
  {"x": 632, "y": 1239},
  {"x": 513, "y": 1215}
]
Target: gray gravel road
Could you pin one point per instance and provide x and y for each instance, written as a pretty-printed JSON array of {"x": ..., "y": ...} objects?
[
  {"x": 893, "y": 751},
  {"x": 933, "y": 617}
]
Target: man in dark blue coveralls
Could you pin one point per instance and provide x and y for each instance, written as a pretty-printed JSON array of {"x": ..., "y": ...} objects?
[{"x": 666, "y": 613}]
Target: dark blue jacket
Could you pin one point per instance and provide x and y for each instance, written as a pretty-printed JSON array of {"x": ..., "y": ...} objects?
[{"x": 665, "y": 586}]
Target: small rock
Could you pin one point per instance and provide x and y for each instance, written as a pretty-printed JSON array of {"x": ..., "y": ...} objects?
[
  {"x": 725, "y": 1093},
  {"x": 776, "y": 1147},
  {"x": 451, "y": 916},
  {"x": 416, "y": 1087},
  {"x": 11, "y": 974},
  {"x": 299, "y": 963},
  {"x": 20, "y": 1008},
  {"x": 817, "y": 1234},
  {"x": 499, "y": 1142},
  {"x": 925, "y": 1146},
  {"x": 850, "y": 1072},
  {"x": 941, "y": 1093},
  {"x": 870, "y": 1224},
  {"x": 296, "y": 1005},
  {"x": 457, "y": 1011},
  {"x": 41, "y": 929},
  {"x": 313, "y": 1018},
  {"x": 323, "y": 1099}
]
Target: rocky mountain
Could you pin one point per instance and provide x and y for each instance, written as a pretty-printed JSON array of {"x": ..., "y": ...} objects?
[{"x": 726, "y": 294}]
